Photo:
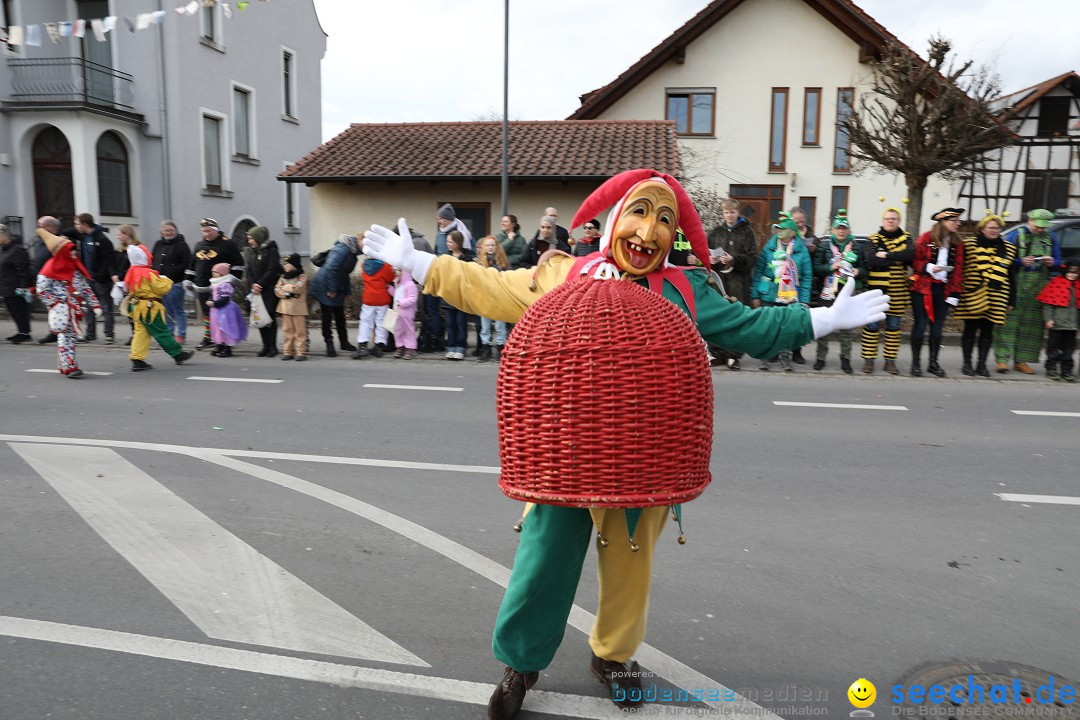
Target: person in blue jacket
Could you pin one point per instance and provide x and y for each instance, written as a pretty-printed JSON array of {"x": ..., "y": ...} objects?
[
  {"x": 783, "y": 275},
  {"x": 330, "y": 288}
]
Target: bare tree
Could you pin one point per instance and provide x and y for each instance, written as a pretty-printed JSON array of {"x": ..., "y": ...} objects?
[{"x": 926, "y": 118}]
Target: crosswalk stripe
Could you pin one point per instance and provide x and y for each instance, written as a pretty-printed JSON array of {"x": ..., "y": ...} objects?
[
  {"x": 221, "y": 583},
  {"x": 389, "y": 681}
]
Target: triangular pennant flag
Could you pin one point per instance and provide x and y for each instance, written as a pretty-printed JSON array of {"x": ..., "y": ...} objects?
[
  {"x": 142, "y": 21},
  {"x": 227, "y": 9},
  {"x": 78, "y": 29},
  {"x": 98, "y": 28},
  {"x": 65, "y": 29},
  {"x": 192, "y": 7},
  {"x": 158, "y": 17},
  {"x": 109, "y": 23},
  {"x": 242, "y": 4},
  {"x": 15, "y": 35},
  {"x": 33, "y": 35},
  {"x": 53, "y": 32}
]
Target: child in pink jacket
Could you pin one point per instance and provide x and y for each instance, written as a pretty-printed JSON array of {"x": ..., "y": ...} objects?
[{"x": 405, "y": 297}]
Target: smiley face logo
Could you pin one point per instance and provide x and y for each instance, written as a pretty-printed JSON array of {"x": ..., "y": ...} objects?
[{"x": 862, "y": 693}]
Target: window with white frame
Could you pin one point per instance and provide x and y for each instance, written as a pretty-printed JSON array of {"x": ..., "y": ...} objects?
[
  {"x": 292, "y": 202},
  {"x": 243, "y": 121},
  {"x": 212, "y": 142},
  {"x": 210, "y": 24},
  {"x": 288, "y": 83}
]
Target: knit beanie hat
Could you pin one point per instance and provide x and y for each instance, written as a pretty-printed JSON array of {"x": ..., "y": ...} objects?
[
  {"x": 221, "y": 269},
  {"x": 259, "y": 233},
  {"x": 293, "y": 260},
  {"x": 446, "y": 212}
]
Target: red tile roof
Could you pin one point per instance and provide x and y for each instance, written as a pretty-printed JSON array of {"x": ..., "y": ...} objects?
[
  {"x": 541, "y": 150},
  {"x": 1016, "y": 102},
  {"x": 867, "y": 33}
]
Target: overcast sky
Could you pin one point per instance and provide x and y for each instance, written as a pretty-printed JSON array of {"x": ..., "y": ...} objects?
[{"x": 442, "y": 60}]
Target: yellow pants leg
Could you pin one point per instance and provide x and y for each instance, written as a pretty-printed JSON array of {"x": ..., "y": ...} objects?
[
  {"x": 140, "y": 342},
  {"x": 623, "y": 606}
]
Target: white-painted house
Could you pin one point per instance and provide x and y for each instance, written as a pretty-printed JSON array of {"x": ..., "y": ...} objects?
[{"x": 757, "y": 115}]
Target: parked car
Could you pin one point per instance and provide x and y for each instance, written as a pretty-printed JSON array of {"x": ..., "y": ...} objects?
[{"x": 1066, "y": 225}]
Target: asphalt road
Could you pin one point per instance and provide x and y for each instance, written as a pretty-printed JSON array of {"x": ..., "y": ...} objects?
[{"x": 179, "y": 548}]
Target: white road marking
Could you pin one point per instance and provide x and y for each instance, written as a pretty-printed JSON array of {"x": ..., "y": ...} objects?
[
  {"x": 413, "y": 387},
  {"x": 229, "y": 379},
  {"x": 437, "y": 688},
  {"x": 1047, "y": 413},
  {"x": 1051, "y": 499},
  {"x": 203, "y": 452},
  {"x": 676, "y": 672},
  {"x": 221, "y": 583},
  {"x": 841, "y": 406},
  {"x": 57, "y": 372}
]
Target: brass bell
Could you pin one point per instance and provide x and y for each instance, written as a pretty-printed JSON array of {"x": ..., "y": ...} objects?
[
  {"x": 601, "y": 540},
  {"x": 633, "y": 545},
  {"x": 682, "y": 539},
  {"x": 517, "y": 526}
]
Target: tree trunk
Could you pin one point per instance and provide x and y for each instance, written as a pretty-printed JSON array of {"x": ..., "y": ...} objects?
[{"x": 915, "y": 187}]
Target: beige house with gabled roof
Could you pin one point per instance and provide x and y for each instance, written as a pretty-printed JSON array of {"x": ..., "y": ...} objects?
[{"x": 757, "y": 118}]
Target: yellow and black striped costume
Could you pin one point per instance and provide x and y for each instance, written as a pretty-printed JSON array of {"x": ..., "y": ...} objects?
[
  {"x": 987, "y": 282},
  {"x": 890, "y": 274}
]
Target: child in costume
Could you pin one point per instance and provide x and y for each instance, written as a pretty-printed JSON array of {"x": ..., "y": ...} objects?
[
  {"x": 227, "y": 326},
  {"x": 837, "y": 261},
  {"x": 405, "y": 298},
  {"x": 63, "y": 284},
  {"x": 291, "y": 290},
  {"x": 783, "y": 275},
  {"x": 378, "y": 278},
  {"x": 145, "y": 288},
  {"x": 1061, "y": 310},
  {"x": 647, "y": 207}
]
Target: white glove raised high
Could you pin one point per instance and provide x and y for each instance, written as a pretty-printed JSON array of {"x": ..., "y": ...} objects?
[
  {"x": 396, "y": 250},
  {"x": 849, "y": 311}
]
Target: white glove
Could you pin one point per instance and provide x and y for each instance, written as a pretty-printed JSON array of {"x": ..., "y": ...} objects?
[
  {"x": 954, "y": 301},
  {"x": 849, "y": 311},
  {"x": 188, "y": 285},
  {"x": 98, "y": 313},
  {"x": 396, "y": 250}
]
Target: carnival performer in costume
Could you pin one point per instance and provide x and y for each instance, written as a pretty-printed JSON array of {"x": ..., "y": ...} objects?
[
  {"x": 145, "y": 289},
  {"x": 837, "y": 261},
  {"x": 1061, "y": 309},
  {"x": 989, "y": 290},
  {"x": 888, "y": 253},
  {"x": 1037, "y": 254},
  {"x": 63, "y": 285},
  {"x": 647, "y": 207},
  {"x": 936, "y": 285}
]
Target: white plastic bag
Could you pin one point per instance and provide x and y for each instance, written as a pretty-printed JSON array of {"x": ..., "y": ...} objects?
[
  {"x": 260, "y": 318},
  {"x": 117, "y": 292}
]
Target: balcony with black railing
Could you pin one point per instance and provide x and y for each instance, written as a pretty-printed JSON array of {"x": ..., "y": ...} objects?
[{"x": 67, "y": 83}]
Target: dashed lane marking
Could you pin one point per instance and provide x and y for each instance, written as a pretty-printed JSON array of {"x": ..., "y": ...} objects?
[
  {"x": 840, "y": 406},
  {"x": 1048, "y": 499},
  {"x": 1046, "y": 413},
  {"x": 229, "y": 379},
  {"x": 413, "y": 387},
  {"x": 57, "y": 372}
]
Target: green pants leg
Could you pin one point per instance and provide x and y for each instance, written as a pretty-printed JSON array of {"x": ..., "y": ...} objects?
[
  {"x": 547, "y": 568},
  {"x": 160, "y": 332}
]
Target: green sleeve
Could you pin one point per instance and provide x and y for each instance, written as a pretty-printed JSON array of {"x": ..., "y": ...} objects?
[{"x": 759, "y": 333}]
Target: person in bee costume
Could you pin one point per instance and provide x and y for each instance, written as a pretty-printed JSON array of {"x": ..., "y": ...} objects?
[
  {"x": 646, "y": 209},
  {"x": 888, "y": 253}
]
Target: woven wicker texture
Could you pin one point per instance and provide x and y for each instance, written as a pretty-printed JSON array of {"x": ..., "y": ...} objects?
[{"x": 604, "y": 399}]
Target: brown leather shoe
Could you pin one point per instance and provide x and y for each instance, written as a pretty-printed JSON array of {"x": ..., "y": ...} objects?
[
  {"x": 1003, "y": 367},
  {"x": 868, "y": 366},
  {"x": 505, "y": 702},
  {"x": 1024, "y": 368},
  {"x": 623, "y": 681},
  {"x": 890, "y": 367}
]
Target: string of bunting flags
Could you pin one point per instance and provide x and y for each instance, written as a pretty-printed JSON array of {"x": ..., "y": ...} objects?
[{"x": 98, "y": 27}]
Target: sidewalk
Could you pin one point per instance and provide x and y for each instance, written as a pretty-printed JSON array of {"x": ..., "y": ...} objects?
[{"x": 949, "y": 358}]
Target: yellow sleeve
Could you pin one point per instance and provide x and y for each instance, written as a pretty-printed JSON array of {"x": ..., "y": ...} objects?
[
  {"x": 492, "y": 294},
  {"x": 160, "y": 286}
]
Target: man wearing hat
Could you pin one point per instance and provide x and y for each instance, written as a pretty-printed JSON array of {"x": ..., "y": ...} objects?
[
  {"x": 214, "y": 248},
  {"x": 1037, "y": 253},
  {"x": 646, "y": 208},
  {"x": 63, "y": 284}
]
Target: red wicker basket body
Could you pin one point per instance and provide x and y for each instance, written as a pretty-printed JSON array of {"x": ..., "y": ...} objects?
[{"x": 604, "y": 398}]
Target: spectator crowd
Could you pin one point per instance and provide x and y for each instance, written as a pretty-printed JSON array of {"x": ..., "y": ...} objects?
[{"x": 1011, "y": 291}]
